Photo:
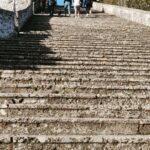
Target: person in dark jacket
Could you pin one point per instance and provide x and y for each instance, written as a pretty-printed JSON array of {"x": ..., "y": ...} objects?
[
  {"x": 88, "y": 6},
  {"x": 67, "y": 7},
  {"x": 43, "y": 5},
  {"x": 51, "y": 6}
]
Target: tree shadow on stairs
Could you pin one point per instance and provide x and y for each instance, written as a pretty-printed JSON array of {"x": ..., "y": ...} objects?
[{"x": 32, "y": 49}]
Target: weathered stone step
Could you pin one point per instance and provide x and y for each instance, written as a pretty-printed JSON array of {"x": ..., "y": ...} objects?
[
  {"x": 47, "y": 110},
  {"x": 67, "y": 43},
  {"x": 65, "y": 49},
  {"x": 75, "y": 60},
  {"x": 76, "y": 87},
  {"x": 116, "y": 105},
  {"x": 120, "y": 74},
  {"x": 75, "y": 96},
  {"x": 79, "y": 44},
  {"x": 67, "y": 52},
  {"x": 75, "y": 142},
  {"x": 71, "y": 85},
  {"x": 86, "y": 126},
  {"x": 19, "y": 79},
  {"x": 61, "y": 34},
  {"x": 103, "y": 109},
  {"x": 119, "y": 46},
  {"x": 74, "y": 48},
  {"x": 81, "y": 47},
  {"x": 88, "y": 67},
  {"x": 90, "y": 59}
]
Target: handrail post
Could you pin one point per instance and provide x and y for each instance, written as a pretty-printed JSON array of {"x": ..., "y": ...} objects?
[
  {"x": 33, "y": 7},
  {"x": 16, "y": 22}
]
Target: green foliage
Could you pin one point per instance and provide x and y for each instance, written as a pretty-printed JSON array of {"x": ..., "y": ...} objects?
[
  {"x": 139, "y": 4},
  {"x": 115, "y": 2}
]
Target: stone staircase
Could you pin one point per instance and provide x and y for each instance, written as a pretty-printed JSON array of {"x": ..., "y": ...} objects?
[{"x": 76, "y": 84}]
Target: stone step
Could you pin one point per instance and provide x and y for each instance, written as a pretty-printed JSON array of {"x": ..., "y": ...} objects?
[
  {"x": 95, "y": 62},
  {"x": 65, "y": 60},
  {"x": 33, "y": 82},
  {"x": 81, "y": 49},
  {"x": 67, "y": 55},
  {"x": 78, "y": 85},
  {"x": 119, "y": 106},
  {"x": 47, "y": 110},
  {"x": 87, "y": 67},
  {"x": 85, "y": 48},
  {"x": 83, "y": 126},
  {"x": 47, "y": 73},
  {"x": 102, "y": 110},
  {"x": 61, "y": 48},
  {"x": 75, "y": 88},
  {"x": 75, "y": 43},
  {"x": 76, "y": 142},
  {"x": 133, "y": 102},
  {"x": 19, "y": 80}
]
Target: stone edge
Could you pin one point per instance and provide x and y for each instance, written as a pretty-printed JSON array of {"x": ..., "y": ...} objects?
[{"x": 135, "y": 15}]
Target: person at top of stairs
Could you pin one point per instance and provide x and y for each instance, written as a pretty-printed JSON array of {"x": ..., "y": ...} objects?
[
  {"x": 51, "y": 6},
  {"x": 67, "y": 7},
  {"x": 88, "y": 6},
  {"x": 43, "y": 5},
  {"x": 77, "y": 8}
]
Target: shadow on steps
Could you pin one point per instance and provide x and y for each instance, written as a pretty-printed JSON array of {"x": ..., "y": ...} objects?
[{"x": 29, "y": 49}]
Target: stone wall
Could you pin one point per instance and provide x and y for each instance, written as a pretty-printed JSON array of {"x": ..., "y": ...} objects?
[
  {"x": 135, "y": 15},
  {"x": 6, "y": 23}
]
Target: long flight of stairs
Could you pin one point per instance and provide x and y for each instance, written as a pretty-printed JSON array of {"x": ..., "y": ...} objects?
[{"x": 76, "y": 84}]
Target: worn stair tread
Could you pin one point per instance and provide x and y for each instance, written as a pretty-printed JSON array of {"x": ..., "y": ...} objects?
[
  {"x": 68, "y": 85},
  {"x": 73, "y": 120},
  {"x": 48, "y": 79},
  {"x": 82, "y": 81},
  {"x": 132, "y": 139},
  {"x": 46, "y": 106},
  {"x": 70, "y": 95}
]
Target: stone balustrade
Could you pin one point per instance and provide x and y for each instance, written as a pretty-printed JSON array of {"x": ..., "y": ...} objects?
[
  {"x": 7, "y": 27},
  {"x": 7, "y": 21},
  {"x": 135, "y": 15}
]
